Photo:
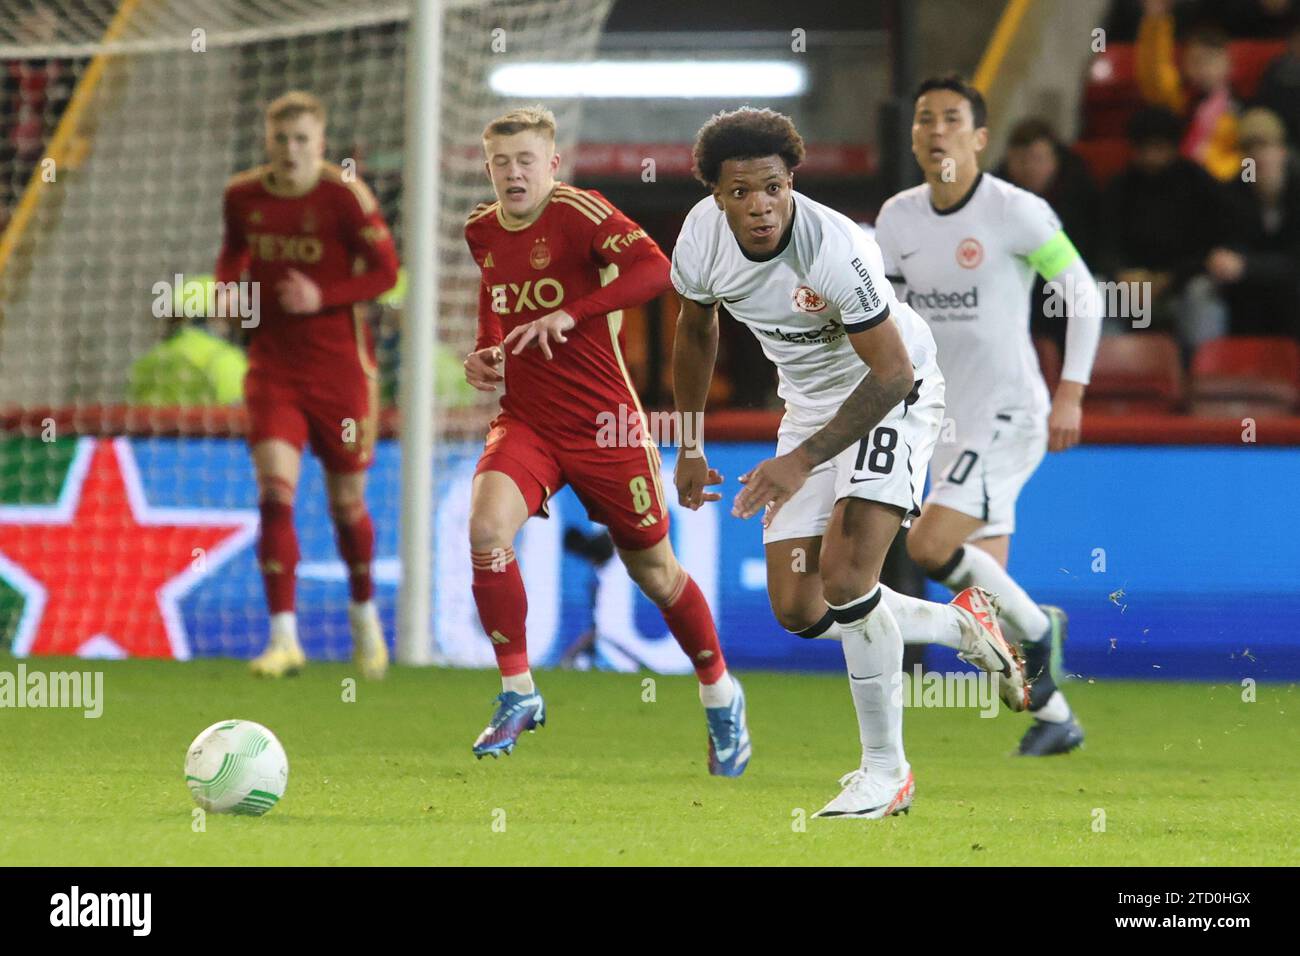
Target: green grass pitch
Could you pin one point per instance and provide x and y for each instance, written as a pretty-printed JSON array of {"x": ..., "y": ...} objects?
[{"x": 1184, "y": 773}]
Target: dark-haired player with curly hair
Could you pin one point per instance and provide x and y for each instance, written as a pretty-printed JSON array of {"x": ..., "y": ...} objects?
[{"x": 864, "y": 403}]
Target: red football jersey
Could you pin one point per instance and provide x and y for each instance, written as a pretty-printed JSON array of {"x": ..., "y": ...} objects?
[
  {"x": 581, "y": 255},
  {"x": 335, "y": 235}
]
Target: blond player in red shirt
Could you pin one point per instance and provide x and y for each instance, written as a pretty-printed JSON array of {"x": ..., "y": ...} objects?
[
  {"x": 314, "y": 245},
  {"x": 558, "y": 264}
]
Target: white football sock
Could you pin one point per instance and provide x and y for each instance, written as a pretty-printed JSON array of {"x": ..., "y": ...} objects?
[
  {"x": 873, "y": 653},
  {"x": 825, "y": 629},
  {"x": 284, "y": 629},
  {"x": 1055, "y": 711},
  {"x": 1020, "y": 617},
  {"x": 720, "y": 693},
  {"x": 924, "y": 622},
  {"x": 519, "y": 683}
]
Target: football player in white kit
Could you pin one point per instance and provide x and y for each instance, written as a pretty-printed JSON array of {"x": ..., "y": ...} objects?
[
  {"x": 962, "y": 249},
  {"x": 864, "y": 404}
]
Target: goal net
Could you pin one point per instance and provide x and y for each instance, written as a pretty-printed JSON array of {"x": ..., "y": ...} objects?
[{"x": 128, "y": 509}]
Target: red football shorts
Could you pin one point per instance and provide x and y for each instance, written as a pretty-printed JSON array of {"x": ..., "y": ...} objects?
[
  {"x": 340, "y": 418},
  {"x": 619, "y": 487}
]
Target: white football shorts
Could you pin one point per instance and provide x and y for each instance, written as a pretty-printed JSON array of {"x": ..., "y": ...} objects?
[
  {"x": 983, "y": 480},
  {"x": 888, "y": 465}
]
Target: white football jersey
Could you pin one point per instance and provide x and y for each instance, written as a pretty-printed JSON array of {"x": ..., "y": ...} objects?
[
  {"x": 967, "y": 271},
  {"x": 827, "y": 281}
]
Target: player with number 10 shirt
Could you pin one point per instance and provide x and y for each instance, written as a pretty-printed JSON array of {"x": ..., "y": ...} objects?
[{"x": 558, "y": 264}]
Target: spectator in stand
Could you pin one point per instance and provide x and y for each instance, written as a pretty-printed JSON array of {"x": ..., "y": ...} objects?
[
  {"x": 1258, "y": 271},
  {"x": 1163, "y": 215},
  {"x": 1240, "y": 18},
  {"x": 1263, "y": 19},
  {"x": 1279, "y": 87},
  {"x": 33, "y": 92},
  {"x": 194, "y": 364},
  {"x": 1039, "y": 162},
  {"x": 1200, "y": 93}
]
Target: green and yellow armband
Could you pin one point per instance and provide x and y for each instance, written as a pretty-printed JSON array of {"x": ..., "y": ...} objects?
[{"x": 1053, "y": 256}]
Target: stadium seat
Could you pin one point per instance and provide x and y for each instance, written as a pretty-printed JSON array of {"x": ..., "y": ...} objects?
[
  {"x": 1110, "y": 92},
  {"x": 1049, "y": 361},
  {"x": 1136, "y": 374},
  {"x": 1111, "y": 77},
  {"x": 1246, "y": 376},
  {"x": 1249, "y": 59},
  {"x": 1103, "y": 157}
]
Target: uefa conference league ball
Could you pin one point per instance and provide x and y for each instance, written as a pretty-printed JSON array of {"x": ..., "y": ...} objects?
[{"x": 236, "y": 766}]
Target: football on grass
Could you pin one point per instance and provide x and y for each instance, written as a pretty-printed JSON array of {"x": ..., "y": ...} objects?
[{"x": 236, "y": 766}]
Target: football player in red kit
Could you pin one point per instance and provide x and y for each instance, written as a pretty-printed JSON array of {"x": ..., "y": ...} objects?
[
  {"x": 315, "y": 246},
  {"x": 558, "y": 264}
]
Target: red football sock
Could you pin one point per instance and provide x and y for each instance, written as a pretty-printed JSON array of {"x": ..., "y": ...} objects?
[
  {"x": 277, "y": 554},
  {"x": 356, "y": 544},
  {"x": 502, "y": 607},
  {"x": 691, "y": 622}
]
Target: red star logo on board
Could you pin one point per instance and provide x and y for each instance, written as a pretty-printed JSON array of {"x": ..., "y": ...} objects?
[{"x": 103, "y": 571}]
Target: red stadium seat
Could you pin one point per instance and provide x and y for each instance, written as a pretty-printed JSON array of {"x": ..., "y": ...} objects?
[
  {"x": 1246, "y": 376},
  {"x": 1111, "y": 77},
  {"x": 1111, "y": 96},
  {"x": 1249, "y": 59},
  {"x": 1103, "y": 157},
  {"x": 1049, "y": 361},
  {"x": 1136, "y": 374},
  {"x": 1110, "y": 93}
]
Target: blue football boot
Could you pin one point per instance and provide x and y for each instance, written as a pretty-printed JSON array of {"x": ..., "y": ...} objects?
[
  {"x": 515, "y": 713},
  {"x": 1043, "y": 665},
  {"x": 729, "y": 748}
]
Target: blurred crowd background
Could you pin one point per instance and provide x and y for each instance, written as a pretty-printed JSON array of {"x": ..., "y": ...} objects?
[{"x": 1174, "y": 168}]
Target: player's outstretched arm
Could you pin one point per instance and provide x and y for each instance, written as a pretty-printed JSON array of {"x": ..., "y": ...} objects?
[
  {"x": 695, "y": 351},
  {"x": 774, "y": 482},
  {"x": 642, "y": 275}
]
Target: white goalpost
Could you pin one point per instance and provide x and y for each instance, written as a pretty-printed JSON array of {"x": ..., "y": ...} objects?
[
  {"x": 120, "y": 123},
  {"x": 419, "y": 333}
]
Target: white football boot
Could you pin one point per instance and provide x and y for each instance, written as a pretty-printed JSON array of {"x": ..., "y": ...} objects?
[
  {"x": 983, "y": 644},
  {"x": 868, "y": 796},
  {"x": 282, "y": 658},
  {"x": 368, "y": 647}
]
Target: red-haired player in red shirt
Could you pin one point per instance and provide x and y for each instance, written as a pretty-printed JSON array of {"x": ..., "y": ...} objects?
[
  {"x": 557, "y": 264},
  {"x": 314, "y": 245}
]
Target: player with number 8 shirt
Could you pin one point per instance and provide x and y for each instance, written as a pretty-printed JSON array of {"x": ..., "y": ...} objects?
[{"x": 558, "y": 264}]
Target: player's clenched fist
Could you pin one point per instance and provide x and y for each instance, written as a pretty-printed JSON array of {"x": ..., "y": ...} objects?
[
  {"x": 481, "y": 368},
  {"x": 298, "y": 294},
  {"x": 692, "y": 476},
  {"x": 541, "y": 332}
]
